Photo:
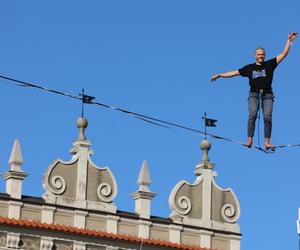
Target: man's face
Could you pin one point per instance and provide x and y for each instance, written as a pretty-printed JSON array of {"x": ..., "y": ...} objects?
[{"x": 260, "y": 56}]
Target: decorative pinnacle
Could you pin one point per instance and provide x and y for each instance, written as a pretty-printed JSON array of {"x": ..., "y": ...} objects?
[
  {"x": 16, "y": 159},
  {"x": 144, "y": 180},
  {"x": 205, "y": 162},
  {"x": 205, "y": 147},
  {"x": 82, "y": 124}
]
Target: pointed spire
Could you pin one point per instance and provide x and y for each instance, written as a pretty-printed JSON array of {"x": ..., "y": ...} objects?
[
  {"x": 144, "y": 179},
  {"x": 16, "y": 159},
  {"x": 205, "y": 162},
  {"x": 143, "y": 196},
  {"x": 14, "y": 176}
]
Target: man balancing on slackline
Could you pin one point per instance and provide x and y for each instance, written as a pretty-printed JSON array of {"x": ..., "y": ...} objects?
[{"x": 260, "y": 76}]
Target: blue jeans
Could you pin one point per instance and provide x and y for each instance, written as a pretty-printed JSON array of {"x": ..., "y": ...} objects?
[{"x": 267, "y": 109}]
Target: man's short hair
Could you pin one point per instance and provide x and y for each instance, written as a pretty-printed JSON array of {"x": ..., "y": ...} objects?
[{"x": 259, "y": 48}]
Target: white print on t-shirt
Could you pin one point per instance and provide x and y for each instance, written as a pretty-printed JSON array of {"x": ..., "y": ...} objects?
[{"x": 256, "y": 74}]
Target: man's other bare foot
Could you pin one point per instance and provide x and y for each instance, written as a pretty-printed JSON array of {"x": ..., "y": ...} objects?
[
  {"x": 248, "y": 145},
  {"x": 269, "y": 146},
  {"x": 249, "y": 142}
]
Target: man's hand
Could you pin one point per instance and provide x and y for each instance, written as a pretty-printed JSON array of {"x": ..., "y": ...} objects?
[
  {"x": 292, "y": 36},
  {"x": 225, "y": 75},
  {"x": 285, "y": 51},
  {"x": 214, "y": 77}
]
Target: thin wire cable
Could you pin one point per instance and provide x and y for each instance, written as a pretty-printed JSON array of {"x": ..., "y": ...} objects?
[
  {"x": 26, "y": 84},
  {"x": 148, "y": 119},
  {"x": 156, "y": 121},
  {"x": 288, "y": 145}
]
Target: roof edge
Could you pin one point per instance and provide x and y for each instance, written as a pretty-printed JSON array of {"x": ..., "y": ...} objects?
[{"x": 33, "y": 224}]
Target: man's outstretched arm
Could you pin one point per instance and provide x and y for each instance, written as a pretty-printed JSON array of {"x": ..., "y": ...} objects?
[
  {"x": 285, "y": 51},
  {"x": 225, "y": 75}
]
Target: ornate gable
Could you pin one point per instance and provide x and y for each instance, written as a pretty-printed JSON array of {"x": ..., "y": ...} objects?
[
  {"x": 79, "y": 182},
  {"x": 204, "y": 203}
]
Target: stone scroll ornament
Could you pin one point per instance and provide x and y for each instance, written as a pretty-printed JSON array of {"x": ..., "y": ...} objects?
[
  {"x": 184, "y": 205},
  {"x": 56, "y": 179},
  {"x": 61, "y": 180},
  {"x": 230, "y": 208},
  {"x": 58, "y": 185},
  {"x": 179, "y": 202},
  {"x": 104, "y": 192},
  {"x": 105, "y": 183},
  {"x": 228, "y": 213},
  {"x": 190, "y": 202}
]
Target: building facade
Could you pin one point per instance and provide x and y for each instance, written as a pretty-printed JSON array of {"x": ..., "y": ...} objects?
[{"x": 77, "y": 210}]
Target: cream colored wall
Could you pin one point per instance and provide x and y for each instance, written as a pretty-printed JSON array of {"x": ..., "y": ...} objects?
[
  {"x": 31, "y": 213},
  {"x": 220, "y": 243},
  {"x": 63, "y": 218},
  {"x": 126, "y": 228},
  {"x": 95, "y": 223},
  {"x": 190, "y": 239},
  {"x": 159, "y": 234},
  {"x": 3, "y": 209}
]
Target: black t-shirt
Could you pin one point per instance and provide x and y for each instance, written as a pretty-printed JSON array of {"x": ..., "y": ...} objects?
[{"x": 260, "y": 76}]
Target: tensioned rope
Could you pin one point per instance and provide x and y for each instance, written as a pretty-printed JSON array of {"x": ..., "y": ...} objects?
[{"x": 152, "y": 120}]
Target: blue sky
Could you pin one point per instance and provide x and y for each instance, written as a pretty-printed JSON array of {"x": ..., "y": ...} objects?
[{"x": 155, "y": 58}]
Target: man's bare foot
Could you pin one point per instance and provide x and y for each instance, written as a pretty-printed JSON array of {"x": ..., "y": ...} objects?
[
  {"x": 269, "y": 146},
  {"x": 249, "y": 142}
]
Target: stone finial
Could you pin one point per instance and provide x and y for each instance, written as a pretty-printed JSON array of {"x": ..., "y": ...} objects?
[
  {"x": 144, "y": 179},
  {"x": 205, "y": 147},
  {"x": 82, "y": 124},
  {"x": 16, "y": 159},
  {"x": 205, "y": 162},
  {"x": 143, "y": 196},
  {"x": 15, "y": 176}
]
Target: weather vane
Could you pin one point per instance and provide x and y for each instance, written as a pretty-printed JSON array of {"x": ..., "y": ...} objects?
[
  {"x": 208, "y": 122},
  {"x": 85, "y": 99}
]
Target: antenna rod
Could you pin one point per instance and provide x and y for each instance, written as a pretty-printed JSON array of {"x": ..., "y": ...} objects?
[
  {"x": 205, "y": 134},
  {"x": 82, "y": 103}
]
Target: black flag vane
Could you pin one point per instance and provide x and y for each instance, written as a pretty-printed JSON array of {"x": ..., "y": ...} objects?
[
  {"x": 208, "y": 122},
  {"x": 85, "y": 99}
]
